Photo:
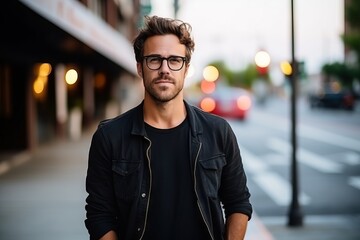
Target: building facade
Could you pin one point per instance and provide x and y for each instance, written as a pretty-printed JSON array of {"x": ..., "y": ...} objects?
[{"x": 64, "y": 64}]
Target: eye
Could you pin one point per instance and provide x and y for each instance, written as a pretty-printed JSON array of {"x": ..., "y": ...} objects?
[
  {"x": 154, "y": 59},
  {"x": 175, "y": 59}
]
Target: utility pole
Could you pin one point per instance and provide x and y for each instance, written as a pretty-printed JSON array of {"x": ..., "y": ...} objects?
[
  {"x": 295, "y": 213},
  {"x": 176, "y": 8}
]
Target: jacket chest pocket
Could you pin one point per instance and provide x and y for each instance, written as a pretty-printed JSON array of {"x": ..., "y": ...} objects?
[
  {"x": 211, "y": 170},
  {"x": 126, "y": 178}
]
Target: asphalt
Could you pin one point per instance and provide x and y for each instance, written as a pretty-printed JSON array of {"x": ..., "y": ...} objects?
[{"x": 42, "y": 196}]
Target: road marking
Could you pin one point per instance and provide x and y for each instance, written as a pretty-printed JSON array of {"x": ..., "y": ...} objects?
[
  {"x": 278, "y": 188},
  {"x": 309, "y": 158},
  {"x": 283, "y": 124},
  {"x": 276, "y": 159},
  {"x": 328, "y": 137},
  {"x": 355, "y": 182},
  {"x": 351, "y": 158},
  {"x": 252, "y": 163}
]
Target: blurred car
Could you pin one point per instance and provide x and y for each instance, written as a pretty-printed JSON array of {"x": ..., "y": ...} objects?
[
  {"x": 231, "y": 102},
  {"x": 332, "y": 97}
]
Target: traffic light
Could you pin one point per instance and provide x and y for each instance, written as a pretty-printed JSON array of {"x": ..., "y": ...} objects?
[
  {"x": 262, "y": 62},
  {"x": 286, "y": 68},
  {"x": 262, "y": 70}
]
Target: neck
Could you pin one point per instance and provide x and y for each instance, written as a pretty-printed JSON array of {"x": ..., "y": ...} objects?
[{"x": 164, "y": 115}]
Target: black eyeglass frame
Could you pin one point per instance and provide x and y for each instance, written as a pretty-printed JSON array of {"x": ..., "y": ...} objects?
[{"x": 184, "y": 60}]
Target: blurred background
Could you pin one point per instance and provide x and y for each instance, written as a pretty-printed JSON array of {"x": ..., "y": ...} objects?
[{"x": 290, "y": 91}]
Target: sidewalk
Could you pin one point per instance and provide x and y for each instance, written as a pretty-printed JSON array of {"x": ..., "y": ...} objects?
[
  {"x": 42, "y": 197},
  {"x": 333, "y": 227}
]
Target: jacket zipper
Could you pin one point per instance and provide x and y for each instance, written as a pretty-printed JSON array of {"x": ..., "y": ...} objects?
[
  {"x": 148, "y": 201},
  {"x": 197, "y": 196}
]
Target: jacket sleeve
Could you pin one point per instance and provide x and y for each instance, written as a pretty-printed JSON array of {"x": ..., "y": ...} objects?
[
  {"x": 100, "y": 202},
  {"x": 234, "y": 192}
]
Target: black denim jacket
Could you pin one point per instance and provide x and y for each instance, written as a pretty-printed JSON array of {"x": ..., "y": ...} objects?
[{"x": 118, "y": 179}]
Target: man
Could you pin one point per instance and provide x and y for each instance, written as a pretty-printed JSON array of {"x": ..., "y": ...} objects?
[{"x": 165, "y": 169}]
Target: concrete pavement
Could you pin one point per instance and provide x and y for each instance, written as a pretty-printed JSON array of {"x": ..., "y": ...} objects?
[
  {"x": 332, "y": 227},
  {"x": 42, "y": 197}
]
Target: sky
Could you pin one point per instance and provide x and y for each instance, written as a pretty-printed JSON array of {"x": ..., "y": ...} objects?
[{"x": 234, "y": 30}]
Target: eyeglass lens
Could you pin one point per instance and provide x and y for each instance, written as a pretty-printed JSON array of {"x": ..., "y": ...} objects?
[{"x": 175, "y": 63}]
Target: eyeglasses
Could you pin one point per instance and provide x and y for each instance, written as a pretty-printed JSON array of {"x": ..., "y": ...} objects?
[{"x": 154, "y": 62}]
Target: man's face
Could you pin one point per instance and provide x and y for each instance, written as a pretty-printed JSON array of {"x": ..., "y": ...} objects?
[{"x": 163, "y": 84}]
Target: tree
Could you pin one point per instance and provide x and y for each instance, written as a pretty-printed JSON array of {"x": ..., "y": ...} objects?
[
  {"x": 240, "y": 78},
  {"x": 341, "y": 71},
  {"x": 347, "y": 73},
  {"x": 352, "y": 37},
  {"x": 352, "y": 16}
]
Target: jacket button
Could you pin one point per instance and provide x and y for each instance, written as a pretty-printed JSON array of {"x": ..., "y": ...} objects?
[{"x": 143, "y": 195}]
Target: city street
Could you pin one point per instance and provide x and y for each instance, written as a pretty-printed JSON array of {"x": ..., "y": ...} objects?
[
  {"x": 67, "y": 65},
  {"x": 42, "y": 194},
  {"x": 328, "y": 156}
]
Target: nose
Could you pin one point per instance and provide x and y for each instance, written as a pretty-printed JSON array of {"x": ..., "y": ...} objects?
[{"x": 164, "y": 69}]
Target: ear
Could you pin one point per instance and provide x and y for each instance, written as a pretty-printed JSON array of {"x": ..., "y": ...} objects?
[
  {"x": 139, "y": 69},
  {"x": 187, "y": 69}
]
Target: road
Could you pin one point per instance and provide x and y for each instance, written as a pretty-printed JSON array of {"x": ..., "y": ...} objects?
[
  {"x": 328, "y": 157},
  {"x": 42, "y": 194}
]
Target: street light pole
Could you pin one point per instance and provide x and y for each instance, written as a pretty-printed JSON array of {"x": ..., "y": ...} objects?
[
  {"x": 295, "y": 213},
  {"x": 176, "y": 8}
]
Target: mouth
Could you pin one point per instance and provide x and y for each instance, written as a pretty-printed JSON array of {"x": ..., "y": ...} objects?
[{"x": 163, "y": 81}]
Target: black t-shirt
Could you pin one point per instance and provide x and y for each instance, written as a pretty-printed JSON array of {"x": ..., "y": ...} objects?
[{"x": 173, "y": 212}]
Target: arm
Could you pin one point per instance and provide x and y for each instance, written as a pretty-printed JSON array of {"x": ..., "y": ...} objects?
[
  {"x": 111, "y": 235},
  {"x": 236, "y": 226},
  {"x": 234, "y": 192},
  {"x": 100, "y": 202}
]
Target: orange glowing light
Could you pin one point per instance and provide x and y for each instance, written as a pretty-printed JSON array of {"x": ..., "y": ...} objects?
[
  {"x": 38, "y": 86},
  {"x": 244, "y": 103},
  {"x": 207, "y": 87},
  {"x": 208, "y": 104},
  {"x": 44, "y": 69}
]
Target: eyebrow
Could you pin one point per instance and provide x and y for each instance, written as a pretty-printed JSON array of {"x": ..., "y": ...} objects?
[{"x": 158, "y": 55}]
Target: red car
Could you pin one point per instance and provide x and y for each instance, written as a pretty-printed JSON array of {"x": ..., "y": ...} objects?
[{"x": 232, "y": 102}]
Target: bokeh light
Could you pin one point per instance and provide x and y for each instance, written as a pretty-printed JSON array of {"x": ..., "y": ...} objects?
[
  {"x": 71, "y": 76},
  {"x": 262, "y": 59},
  {"x": 210, "y": 73}
]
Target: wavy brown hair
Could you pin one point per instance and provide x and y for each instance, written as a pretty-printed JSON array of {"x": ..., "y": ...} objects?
[{"x": 155, "y": 26}]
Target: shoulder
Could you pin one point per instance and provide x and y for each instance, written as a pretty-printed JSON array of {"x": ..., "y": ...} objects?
[
  {"x": 121, "y": 122},
  {"x": 208, "y": 119}
]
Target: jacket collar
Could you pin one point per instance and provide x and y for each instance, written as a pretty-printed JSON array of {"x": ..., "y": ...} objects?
[
  {"x": 138, "y": 126},
  {"x": 193, "y": 117}
]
